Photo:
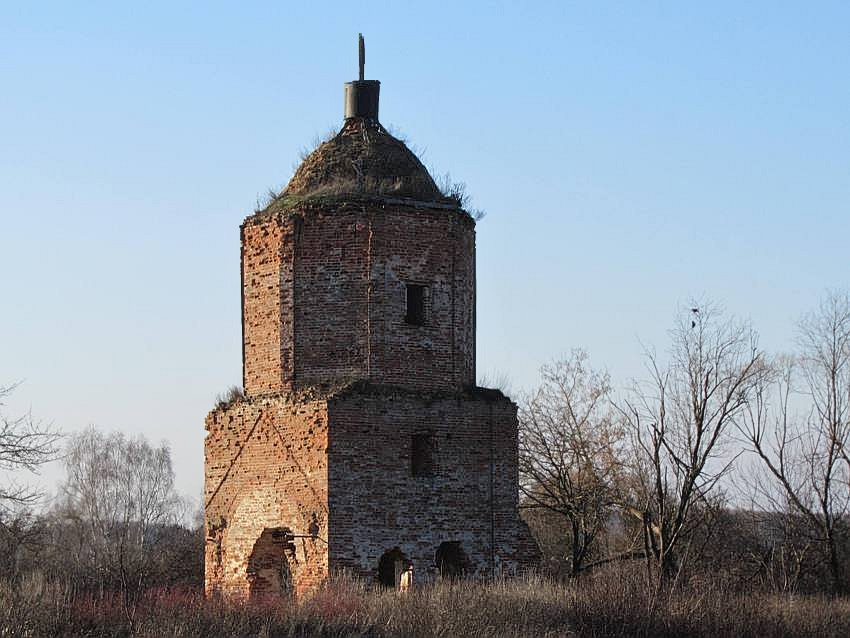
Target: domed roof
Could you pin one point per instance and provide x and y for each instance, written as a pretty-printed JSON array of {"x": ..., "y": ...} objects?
[{"x": 363, "y": 159}]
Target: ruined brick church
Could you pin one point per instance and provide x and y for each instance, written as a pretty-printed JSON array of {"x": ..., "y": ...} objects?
[{"x": 362, "y": 443}]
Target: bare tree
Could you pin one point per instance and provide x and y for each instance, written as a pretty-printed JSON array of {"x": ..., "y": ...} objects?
[
  {"x": 119, "y": 495},
  {"x": 568, "y": 451},
  {"x": 25, "y": 444},
  {"x": 680, "y": 421},
  {"x": 804, "y": 451}
]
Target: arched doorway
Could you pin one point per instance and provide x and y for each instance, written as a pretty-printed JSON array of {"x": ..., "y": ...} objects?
[
  {"x": 270, "y": 563},
  {"x": 451, "y": 560},
  {"x": 390, "y": 566}
]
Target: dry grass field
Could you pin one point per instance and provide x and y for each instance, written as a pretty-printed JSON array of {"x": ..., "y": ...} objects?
[{"x": 610, "y": 604}]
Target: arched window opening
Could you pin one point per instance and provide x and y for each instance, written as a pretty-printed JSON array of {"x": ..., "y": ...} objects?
[
  {"x": 451, "y": 561},
  {"x": 270, "y": 564},
  {"x": 390, "y": 566}
]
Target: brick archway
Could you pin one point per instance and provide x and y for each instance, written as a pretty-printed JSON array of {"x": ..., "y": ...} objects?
[
  {"x": 451, "y": 561},
  {"x": 271, "y": 563},
  {"x": 390, "y": 566},
  {"x": 250, "y": 543}
]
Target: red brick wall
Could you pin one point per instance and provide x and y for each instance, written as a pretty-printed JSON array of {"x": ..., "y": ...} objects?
[
  {"x": 324, "y": 302},
  {"x": 435, "y": 248},
  {"x": 267, "y": 306},
  {"x": 375, "y": 504},
  {"x": 331, "y": 297},
  {"x": 325, "y": 298},
  {"x": 266, "y": 468}
]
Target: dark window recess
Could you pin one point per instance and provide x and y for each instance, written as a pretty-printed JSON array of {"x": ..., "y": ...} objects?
[
  {"x": 390, "y": 567},
  {"x": 451, "y": 561},
  {"x": 415, "y": 305},
  {"x": 422, "y": 456}
]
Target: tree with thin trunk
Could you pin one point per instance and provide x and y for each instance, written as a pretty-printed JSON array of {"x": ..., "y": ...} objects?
[
  {"x": 568, "y": 451},
  {"x": 799, "y": 428},
  {"x": 25, "y": 444},
  {"x": 680, "y": 421},
  {"x": 119, "y": 496}
]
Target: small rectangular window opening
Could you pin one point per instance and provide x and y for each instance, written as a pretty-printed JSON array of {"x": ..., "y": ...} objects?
[
  {"x": 415, "y": 304},
  {"x": 422, "y": 457}
]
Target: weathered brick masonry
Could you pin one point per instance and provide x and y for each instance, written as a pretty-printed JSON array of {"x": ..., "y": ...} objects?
[
  {"x": 471, "y": 497},
  {"x": 324, "y": 296},
  {"x": 362, "y": 442},
  {"x": 266, "y": 471}
]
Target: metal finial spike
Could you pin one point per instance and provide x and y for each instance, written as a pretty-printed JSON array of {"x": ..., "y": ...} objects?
[
  {"x": 361, "y": 97},
  {"x": 362, "y": 49}
]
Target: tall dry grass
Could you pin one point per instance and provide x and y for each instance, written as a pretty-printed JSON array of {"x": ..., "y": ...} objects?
[{"x": 616, "y": 603}]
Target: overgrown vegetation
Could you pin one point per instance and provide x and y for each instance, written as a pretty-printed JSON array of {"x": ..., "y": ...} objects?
[
  {"x": 456, "y": 191},
  {"x": 114, "y": 533},
  {"x": 232, "y": 395},
  {"x": 611, "y": 603},
  {"x": 358, "y": 176}
]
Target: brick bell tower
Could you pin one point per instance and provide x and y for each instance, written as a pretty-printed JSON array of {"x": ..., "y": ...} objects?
[{"x": 362, "y": 443}]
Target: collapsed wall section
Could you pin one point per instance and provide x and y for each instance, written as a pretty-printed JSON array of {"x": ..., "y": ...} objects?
[
  {"x": 266, "y": 495},
  {"x": 385, "y": 499}
]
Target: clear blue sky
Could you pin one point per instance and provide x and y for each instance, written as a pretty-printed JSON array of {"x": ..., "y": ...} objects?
[{"x": 628, "y": 156}]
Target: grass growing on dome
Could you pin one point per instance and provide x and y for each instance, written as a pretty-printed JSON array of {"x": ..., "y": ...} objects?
[
  {"x": 456, "y": 191},
  {"x": 364, "y": 160}
]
